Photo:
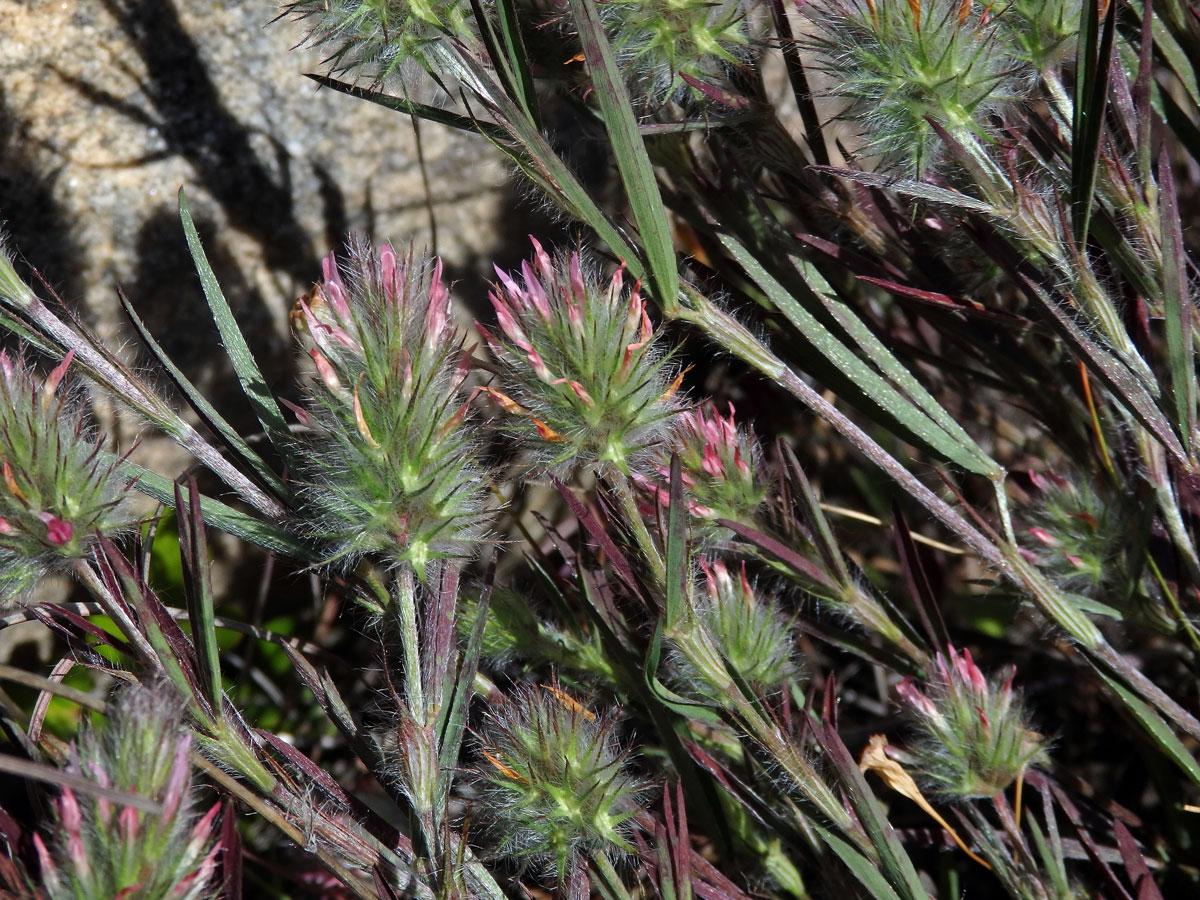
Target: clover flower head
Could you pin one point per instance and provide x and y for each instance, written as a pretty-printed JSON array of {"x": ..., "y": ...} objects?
[
  {"x": 103, "y": 849},
  {"x": 583, "y": 374},
  {"x": 57, "y": 492},
  {"x": 390, "y": 460},
  {"x": 556, "y": 784},
  {"x": 754, "y": 638},
  {"x": 901, "y": 63},
  {"x": 1077, "y": 534},
  {"x": 973, "y": 734},
  {"x": 671, "y": 48},
  {"x": 720, "y": 465},
  {"x": 378, "y": 37}
]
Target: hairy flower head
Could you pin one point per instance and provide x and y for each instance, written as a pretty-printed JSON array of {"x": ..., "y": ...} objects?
[
  {"x": 556, "y": 786},
  {"x": 900, "y": 63},
  {"x": 973, "y": 735},
  {"x": 736, "y": 633},
  {"x": 103, "y": 849},
  {"x": 390, "y": 458},
  {"x": 720, "y": 465},
  {"x": 582, "y": 369},
  {"x": 670, "y": 48},
  {"x": 57, "y": 494},
  {"x": 376, "y": 37}
]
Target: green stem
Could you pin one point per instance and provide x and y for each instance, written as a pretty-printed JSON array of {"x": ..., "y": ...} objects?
[
  {"x": 405, "y": 594},
  {"x": 610, "y": 882},
  {"x": 619, "y": 482}
]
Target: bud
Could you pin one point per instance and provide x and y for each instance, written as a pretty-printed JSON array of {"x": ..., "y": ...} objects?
[
  {"x": 581, "y": 366},
  {"x": 389, "y": 460},
  {"x": 900, "y": 63},
  {"x": 720, "y": 465},
  {"x": 750, "y": 635},
  {"x": 973, "y": 735},
  {"x": 1044, "y": 31},
  {"x": 103, "y": 849},
  {"x": 56, "y": 494},
  {"x": 1077, "y": 535},
  {"x": 14, "y": 292},
  {"x": 555, "y": 787}
]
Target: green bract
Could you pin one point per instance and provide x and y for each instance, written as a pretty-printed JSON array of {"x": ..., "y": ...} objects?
[
  {"x": 901, "y": 63},
  {"x": 377, "y": 37},
  {"x": 668, "y": 46}
]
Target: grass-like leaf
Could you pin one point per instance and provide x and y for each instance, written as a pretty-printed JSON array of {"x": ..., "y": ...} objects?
[
  {"x": 251, "y": 379},
  {"x": 637, "y": 175},
  {"x": 1177, "y": 305}
]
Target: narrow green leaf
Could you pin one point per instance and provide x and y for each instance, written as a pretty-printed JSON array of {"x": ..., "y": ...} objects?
[
  {"x": 453, "y": 717},
  {"x": 193, "y": 549},
  {"x": 1093, "y": 61},
  {"x": 253, "y": 384},
  {"x": 860, "y": 867},
  {"x": 1125, "y": 386},
  {"x": 200, "y": 404},
  {"x": 410, "y": 107},
  {"x": 918, "y": 189},
  {"x": 1181, "y": 62},
  {"x": 1158, "y": 730},
  {"x": 633, "y": 163},
  {"x": 537, "y": 159},
  {"x": 677, "y": 540},
  {"x": 883, "y": 394},
  {"x": 896, "y": 864},
  {"x": 1178, "y": 307},
  {"x": 218, "y": 515},
  {"x": 891, "y": 367},
  {"x": 516, "y": 60}
]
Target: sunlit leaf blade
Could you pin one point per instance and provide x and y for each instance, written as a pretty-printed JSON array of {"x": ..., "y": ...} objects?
[
  {"x": 251, "y": 379},
  {"x": 677, "y": 540},
  {"x": 633, "y": 163},
  {"x": 200, "y": 404},
  {"x": 951, "y": 445},
  {"x": 193, "y": 549},
  {"x": 410, "y": 107},
  {"x": 216, "y": 514}
]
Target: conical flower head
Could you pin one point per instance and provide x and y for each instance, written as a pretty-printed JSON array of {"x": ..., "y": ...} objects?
[
  {"x": 582, "y": 366},
  {"x": 721, "y": 466},
  {"x": 391, "y": 466},
  {"x": 901, "y": 63},
  {"x": 555, "y": 782},
  {"x": 974, "y": 737},
  {"x": 56, "y": 493},
  {"x": 1077, "y": 534},
  {"x": 103, "y": 849},
  {"x": 756, "y": 639},
  {"x": 733, "y": 638}
]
